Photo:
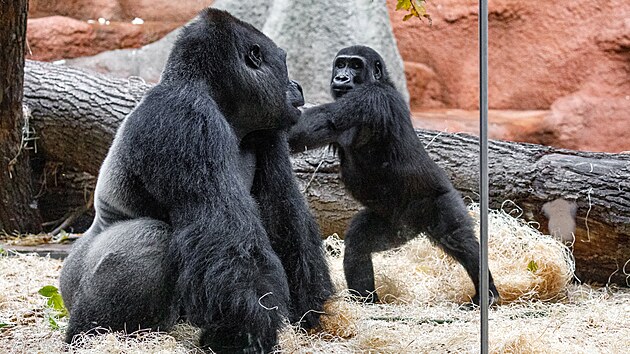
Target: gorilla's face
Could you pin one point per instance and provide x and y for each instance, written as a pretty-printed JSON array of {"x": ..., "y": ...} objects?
[
  {"x": 353, "y": 67},
  {"x": 272, "y": 101},
  {"x": 245, "y": 71},
  {"x": 348, "y": 71}
]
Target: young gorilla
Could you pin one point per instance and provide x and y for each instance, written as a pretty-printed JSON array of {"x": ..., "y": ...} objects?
[
  {"x": 197, "y": 210},
  {"x": 385, "y": 167}
]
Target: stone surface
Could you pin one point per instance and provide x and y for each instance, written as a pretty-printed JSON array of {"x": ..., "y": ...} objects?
[
  {"x": 300, "y": 27},
  {"x": 58, "y": 37},
  {"x": 146, "y": 62},
  {"x": 119, "y": 10},
  {"x": 521, "y": 126},
  {"x": 79, "y": 9},
  {"x": 425, "y": 88},
  {"x": 313, "y": 31},
  {"x": 587, "y": 122},
  {"x": 163, "y": 10},
  {"x": 563, "y": 57},
  {"x": 538, "y": 51},
  {"x": 556, "y": 55}
]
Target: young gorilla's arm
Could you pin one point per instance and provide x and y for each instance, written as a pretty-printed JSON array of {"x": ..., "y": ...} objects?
[
  {"x": 322, "y": 125},
  {"x": 327, "y": 123}
]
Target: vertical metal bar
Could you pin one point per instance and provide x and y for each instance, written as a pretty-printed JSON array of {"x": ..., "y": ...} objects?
[{"x": 483, "y": 171}]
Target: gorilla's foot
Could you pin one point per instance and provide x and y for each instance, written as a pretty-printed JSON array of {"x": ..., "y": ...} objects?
[
  {"x": 365, "y": 297},
  {"x": 493, "y": 299},
  {"x": 241, "y": 343}
]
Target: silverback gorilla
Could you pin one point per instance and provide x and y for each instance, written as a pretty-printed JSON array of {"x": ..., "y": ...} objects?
[
  {"x": 385, "y": 167},
  {"x": 198, "y": 215}
]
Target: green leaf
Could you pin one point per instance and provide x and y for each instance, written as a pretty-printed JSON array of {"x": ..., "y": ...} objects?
[
  {"x": 532, "y": 266},
  {"x": 61, "y": 237},
  {"x": 416, "y": 8},
  {"x": 2, "y": 324},
  {"x": 55, "y": 301},
  {"x": 403, "y": 5},
  {"x": 53, "y": 322},
  {"x": 48, "y": 291},
  {"x": 421, "y": 9}
]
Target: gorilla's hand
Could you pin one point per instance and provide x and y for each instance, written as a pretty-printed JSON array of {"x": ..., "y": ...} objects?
[{"x": 295, "y": 96}]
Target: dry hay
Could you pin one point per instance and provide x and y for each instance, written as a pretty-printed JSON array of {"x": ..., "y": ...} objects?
[{"x": 541, "y": 312}]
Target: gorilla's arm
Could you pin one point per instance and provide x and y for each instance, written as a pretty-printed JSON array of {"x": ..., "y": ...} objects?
[
  {"x": 337, "y": 122},
  {"x": 321, "y": 125},
  {"x": 292, "y": 229}
]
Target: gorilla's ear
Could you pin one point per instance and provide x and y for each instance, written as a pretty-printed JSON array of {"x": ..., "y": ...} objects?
[
  {"x": 254, "y": 57},
  {"x": 378, "y": 70}
]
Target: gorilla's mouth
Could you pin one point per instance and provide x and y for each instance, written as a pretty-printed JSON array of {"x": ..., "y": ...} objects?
[{"x": 340, "y": 90}]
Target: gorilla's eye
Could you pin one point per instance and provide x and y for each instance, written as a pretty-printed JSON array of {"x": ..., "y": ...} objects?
[
  {"x": 356, "y": 65},
  {"x": 254, "y": 58},
  {"x": 339, "y": 64}
]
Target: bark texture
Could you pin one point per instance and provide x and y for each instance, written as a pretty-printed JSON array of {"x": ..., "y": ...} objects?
[
  {"x": 18, "y": 211},
  {"x": 529, "y": 176},
  {"x": 76, "y": 115}
]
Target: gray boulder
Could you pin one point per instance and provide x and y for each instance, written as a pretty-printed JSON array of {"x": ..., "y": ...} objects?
[{"x": 311, "y": 32}]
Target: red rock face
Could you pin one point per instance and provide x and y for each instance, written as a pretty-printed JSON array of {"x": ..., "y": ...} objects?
[
  {"x": 559, "y": 55},
  {"x": 538, "y": 51},
  {"x": 79, "y": 9},
  {"x": 58, "y": 37},
  {"x": 119, "y": 10},
  {"x": 584, "y": 121},
  {"x": 566, "y": 63},
  {"x": 58, "y": 29}
]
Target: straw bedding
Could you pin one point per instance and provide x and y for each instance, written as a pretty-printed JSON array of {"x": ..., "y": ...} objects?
[{"x": 541, "y": 311}]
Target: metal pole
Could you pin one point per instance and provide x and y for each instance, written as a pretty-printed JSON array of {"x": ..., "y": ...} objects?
[{"x": 483, "y": 171}]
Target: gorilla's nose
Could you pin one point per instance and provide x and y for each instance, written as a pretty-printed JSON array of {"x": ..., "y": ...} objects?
[
  {"x": 295, "y": 94},
  {"x": 341, "y": 79}
]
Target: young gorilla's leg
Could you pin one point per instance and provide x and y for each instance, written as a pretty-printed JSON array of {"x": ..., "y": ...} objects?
[
  {"x": 293, "y": 232},
  {"x": 126, "y": 279},
  {"x": 446, "y": 221},
  {"x": 366, "y": 234}
]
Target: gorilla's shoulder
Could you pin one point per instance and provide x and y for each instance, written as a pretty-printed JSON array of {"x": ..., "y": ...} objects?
[
  {"x": 172, "y": 109},
  {"x": 180, "y": 93}
]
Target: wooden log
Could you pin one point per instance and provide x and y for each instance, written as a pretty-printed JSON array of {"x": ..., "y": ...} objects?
[
  {"x": 76, "y": 115},
  {"x": 523, "y": 175}
]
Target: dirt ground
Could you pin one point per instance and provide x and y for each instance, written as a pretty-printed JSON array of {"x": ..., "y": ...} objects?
[{"x": 543, "y": 310}]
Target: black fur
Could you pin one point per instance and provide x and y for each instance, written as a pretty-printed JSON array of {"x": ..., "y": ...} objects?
[
  {"x": 385, "y": 167},
  {"x": 198, "y": 213}
]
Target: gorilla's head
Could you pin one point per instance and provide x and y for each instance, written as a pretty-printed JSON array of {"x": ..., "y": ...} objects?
[
  {"x": 355, "y": 66},
  {"x": 244, "y": 70}
]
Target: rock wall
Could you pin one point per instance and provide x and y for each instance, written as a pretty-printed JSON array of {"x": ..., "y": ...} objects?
[
  {"x": 55, "y": 37},
  {"x": 567, "y": 58},
  {"x": 303, "y": 28},
  {"x": 119, "y": 10},
  {"x": 538, "y": 51},
  {"x": 312, "y": 32}
]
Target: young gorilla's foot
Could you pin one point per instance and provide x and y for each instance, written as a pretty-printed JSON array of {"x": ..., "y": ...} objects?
[{"x": 492, "y": 301}]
